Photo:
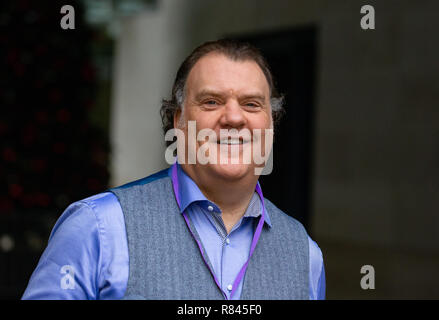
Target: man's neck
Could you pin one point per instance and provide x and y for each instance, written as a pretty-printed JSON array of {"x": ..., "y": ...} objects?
[{"x": 232, "y": 197}]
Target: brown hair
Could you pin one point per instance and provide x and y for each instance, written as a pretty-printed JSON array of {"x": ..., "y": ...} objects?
[{"x": 235, "y": 50}]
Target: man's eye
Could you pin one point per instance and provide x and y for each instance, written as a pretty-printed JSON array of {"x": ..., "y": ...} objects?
[
  {"x": 210, "y": 102},
  {"x": 251, "y": 104}
]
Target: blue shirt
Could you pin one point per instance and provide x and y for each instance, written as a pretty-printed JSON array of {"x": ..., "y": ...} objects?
[{"x": 87, "y": 253}]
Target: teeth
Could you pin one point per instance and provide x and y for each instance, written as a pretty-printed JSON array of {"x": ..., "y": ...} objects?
[{"x": 231, "y": 141}]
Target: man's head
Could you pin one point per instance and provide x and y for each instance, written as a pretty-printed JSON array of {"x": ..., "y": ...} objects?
[
  {"x": 234, "y": 50},
  {"x": 224, "y": 85}
]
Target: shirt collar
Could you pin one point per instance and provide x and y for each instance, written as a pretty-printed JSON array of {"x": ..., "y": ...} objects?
[{"x": 190, "y": 193}]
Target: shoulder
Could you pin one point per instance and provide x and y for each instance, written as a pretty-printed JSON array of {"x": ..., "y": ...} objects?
[
  {"x": 277, "y": 216},
  {"x": 150, "y": 192},
  {"x": 104, "y": 200},
  {"x": 88, "y": 213},
  {"x": 156, "y": 178},
  {"x": 315, "y": 253},
  {"x": 315, "y": 257},
  {"x": 76, "y": 242}
]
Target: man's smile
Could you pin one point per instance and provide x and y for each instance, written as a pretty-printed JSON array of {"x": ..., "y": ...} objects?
[{"x": 233, "y": 141}]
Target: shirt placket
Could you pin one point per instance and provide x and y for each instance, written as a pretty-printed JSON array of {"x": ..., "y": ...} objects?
[{"x": 225, "y": 241}]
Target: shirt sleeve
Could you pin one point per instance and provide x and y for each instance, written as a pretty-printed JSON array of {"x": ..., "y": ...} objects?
[
  {"x": 69, "y": 266},
  {"x": 317, "y": 280}
]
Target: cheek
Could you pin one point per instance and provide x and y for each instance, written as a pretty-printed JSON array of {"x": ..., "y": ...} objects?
[
  {"x": 205, "y": 119},
  {"x": 260, "y": 121},
  {"x": 204, "y": 123}
]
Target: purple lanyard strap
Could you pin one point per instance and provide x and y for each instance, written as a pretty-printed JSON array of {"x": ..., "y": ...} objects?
[{"x": 254, "y": 241}]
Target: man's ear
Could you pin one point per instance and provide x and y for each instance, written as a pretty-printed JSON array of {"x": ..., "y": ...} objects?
[{"x": 177, "y": 116}]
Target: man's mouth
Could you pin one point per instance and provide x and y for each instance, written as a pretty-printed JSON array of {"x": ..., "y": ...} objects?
[{"x": 232, "y": 141}]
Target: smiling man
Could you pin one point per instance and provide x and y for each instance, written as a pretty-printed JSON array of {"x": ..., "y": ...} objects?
[
  {"x": 224, "y": 94},
  {"x": 200, "y": 229}
]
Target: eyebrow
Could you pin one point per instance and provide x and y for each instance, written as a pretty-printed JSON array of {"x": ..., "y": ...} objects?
[{"x": 207, "y": 92}]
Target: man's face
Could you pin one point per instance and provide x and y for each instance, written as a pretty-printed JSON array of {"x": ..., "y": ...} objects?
[{"x": 225, "y": 94}]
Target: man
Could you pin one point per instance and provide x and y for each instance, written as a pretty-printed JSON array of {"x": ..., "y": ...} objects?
[{"x": 198, "y": 230}]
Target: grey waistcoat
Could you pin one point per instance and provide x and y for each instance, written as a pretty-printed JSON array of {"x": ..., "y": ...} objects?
[{"x": 165, "y": 262}]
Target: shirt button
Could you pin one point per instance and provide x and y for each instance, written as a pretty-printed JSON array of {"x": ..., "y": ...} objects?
[
  {"x": 228, "y": 241},
  {"x": 210, "y": 208},
  {"x": 229, "y": 287}
]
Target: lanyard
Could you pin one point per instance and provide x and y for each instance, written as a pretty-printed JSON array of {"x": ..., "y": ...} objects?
[{"x": 256, "y": 236}]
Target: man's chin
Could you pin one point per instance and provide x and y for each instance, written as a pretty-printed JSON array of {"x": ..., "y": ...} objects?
[{"x": 232, "y": 171}]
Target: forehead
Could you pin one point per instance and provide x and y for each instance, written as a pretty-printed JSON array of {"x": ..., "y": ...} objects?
[{"x": 216, "y": 71}]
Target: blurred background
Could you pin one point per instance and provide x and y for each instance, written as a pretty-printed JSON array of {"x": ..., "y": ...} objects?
[{"x": 356, "y": 158}]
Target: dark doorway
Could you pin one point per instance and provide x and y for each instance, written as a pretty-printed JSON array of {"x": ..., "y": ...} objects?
[{"x": 292, "y": 57}]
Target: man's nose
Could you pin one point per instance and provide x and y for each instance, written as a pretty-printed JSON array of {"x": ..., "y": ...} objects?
[{"x": 233, "y": 115}]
